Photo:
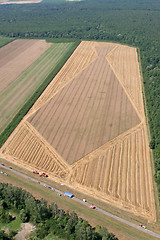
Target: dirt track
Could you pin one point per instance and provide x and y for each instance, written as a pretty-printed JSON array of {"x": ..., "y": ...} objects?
[{"x": 117, "y": 167}]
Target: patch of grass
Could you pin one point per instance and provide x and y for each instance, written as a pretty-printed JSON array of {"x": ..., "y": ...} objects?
[
  {"x": 14, "y": 225},
  {"x": 5, "y": 40}
]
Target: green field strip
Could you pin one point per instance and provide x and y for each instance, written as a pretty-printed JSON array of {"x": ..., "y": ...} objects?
[
  {"x": 34, "y": 84},
  {"x": 5, "y": 40},
  {"x": 32, "y": 99},
  {"x": 30, "y": 70},
  {"x": 41, "y": 69},
  {"x": 10, "y": 91}
]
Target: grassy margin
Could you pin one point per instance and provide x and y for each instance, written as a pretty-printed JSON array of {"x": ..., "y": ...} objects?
[
  {"x": 91, "y": 216},
  {"x": 5, "y": 40},
  {"x": 149, "y": 138}
]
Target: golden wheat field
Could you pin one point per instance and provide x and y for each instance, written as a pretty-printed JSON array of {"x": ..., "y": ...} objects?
[{"x": 88, "y": 129}]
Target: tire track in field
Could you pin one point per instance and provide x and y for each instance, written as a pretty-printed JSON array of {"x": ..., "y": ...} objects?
[
  {"x": 119, "y": 178},
  {"x": 80, "y": 91},
  {"x": 94, "y": 98}
]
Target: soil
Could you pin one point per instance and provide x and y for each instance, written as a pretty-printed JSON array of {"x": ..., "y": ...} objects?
[{"x": 27, "y": 228}]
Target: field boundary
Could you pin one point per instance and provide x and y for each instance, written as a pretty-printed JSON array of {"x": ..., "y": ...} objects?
[
  {"x": 27, "y": 106},
  {"x": 157, "y": 204}
]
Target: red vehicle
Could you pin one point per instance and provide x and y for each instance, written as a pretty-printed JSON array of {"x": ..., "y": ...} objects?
[
  {"x": 43, "y": 175},
  {"x": 35, "y": 171},
  {"x": 92, "y": 206}
]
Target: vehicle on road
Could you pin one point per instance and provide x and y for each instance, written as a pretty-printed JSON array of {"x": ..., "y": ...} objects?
[
  {"x": 58, "y": 194},
  {"x": 1, "y": 172},
  {"x": 35, "y": 172},
  {"x": 43, "y": 175},
  {"x": 68, "y": 194},
  {"x": 92, "y": 206},
  {"x": 142, "y": 226},
  {"x": 5, "y": 174},
  {"x": 49, "y": 187},
  {"x": 2, "y": 164}
]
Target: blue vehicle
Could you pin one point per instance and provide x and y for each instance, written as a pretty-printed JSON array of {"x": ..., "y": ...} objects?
[{"x": 68, "y": 194}]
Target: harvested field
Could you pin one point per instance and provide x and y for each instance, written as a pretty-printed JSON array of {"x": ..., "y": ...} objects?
[
  {"x": 47, "y": 158},
  {"x": 91, "y": 110},
  {"x": 81, "y": 58},
  {"x": 128, "y": 74},
  {"x": 20, "y": 78},
  {"x": 88, "y": 129},
  {"x": 120, "y": 170}
]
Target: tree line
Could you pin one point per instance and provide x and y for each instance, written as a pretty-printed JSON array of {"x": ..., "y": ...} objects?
[{"x": 47, "y": 219}]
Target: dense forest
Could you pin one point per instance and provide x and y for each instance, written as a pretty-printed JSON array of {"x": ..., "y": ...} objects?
[
  {"x": 135, "y": 23},
  {"x": 47, "y": 219}
]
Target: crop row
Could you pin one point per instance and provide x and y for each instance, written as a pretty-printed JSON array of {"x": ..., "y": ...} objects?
[{"x": 121, "y": 173}]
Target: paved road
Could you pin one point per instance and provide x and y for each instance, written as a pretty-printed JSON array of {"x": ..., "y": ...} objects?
[{"x": 86, "y": 204}]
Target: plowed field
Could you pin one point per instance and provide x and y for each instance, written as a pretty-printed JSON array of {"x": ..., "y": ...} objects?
[
  {"x": 24, "y": 65},
  {"x": 88, "y": 129}
]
